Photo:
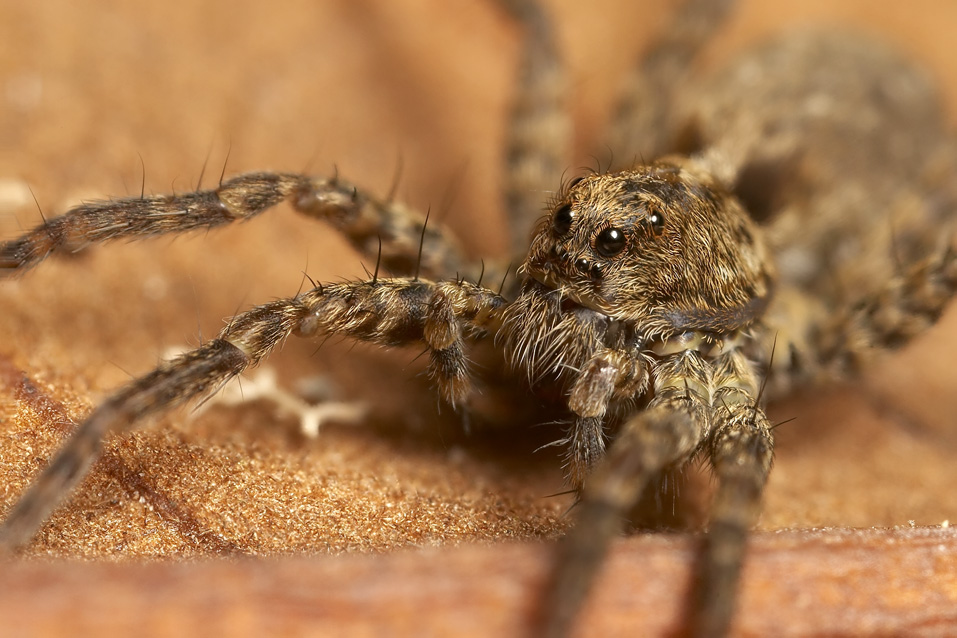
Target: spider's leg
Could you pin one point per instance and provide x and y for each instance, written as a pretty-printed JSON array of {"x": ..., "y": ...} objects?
[
  {"x": 388, "y": 312},
  {"x": 643, "y": 124},
  {"x": 364, "y": 219},
  {"x": 740, "y": 449},
  {"x": 816, "y": 346},
  {"x": 669, "y": 431},
  {"x": 247, "y": 339},
  {"x": 539, "y": 132},
  {"x": 412, "y": 244},
  {"x": 905, "y": 306},
  {"x": 397, "y": 312}
]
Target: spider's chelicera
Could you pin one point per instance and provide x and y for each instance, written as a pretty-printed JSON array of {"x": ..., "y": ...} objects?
[{"x": 650, "y": 296}]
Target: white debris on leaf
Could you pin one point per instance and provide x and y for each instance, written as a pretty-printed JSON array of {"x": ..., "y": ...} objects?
[{"x": 264, "y": 384}]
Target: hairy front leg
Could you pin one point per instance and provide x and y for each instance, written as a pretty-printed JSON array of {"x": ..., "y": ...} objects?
[
  {"x": 740, "y": 449},
  {"x": 409, "y": 246},
  {"x": 387, "y": 312},
  {"x": 668, "y": 432}
]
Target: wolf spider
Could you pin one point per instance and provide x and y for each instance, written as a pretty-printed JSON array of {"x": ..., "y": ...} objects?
[{"x": 795, "y": 217}]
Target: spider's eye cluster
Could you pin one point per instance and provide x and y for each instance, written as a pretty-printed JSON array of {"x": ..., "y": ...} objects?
[
  {"x": 657, "y": 221},
  {"x": 562, "y": 219},
  {"x": 610, "y": 242}
]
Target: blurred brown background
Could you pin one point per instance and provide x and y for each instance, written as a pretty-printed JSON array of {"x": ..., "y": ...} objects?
[{"x": 90, "y": 93}]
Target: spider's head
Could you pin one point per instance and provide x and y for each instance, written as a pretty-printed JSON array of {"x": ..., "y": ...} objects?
[{"x": 663, "y": 246}]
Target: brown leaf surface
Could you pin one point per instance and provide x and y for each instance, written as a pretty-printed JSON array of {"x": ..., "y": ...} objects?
[
  {"x": 364, "y": 87},
  {"x": 799, "y": 583}
]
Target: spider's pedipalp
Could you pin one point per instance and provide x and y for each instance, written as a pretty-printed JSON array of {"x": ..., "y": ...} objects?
[
  {"x": 586, "y": 442},
  {"x": 610, "y": 376}
]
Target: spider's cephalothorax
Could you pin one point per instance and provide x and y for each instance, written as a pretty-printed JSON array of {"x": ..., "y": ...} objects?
[
  {"x": 648, "y": 297},
  {"x": 661, "y": 246}
]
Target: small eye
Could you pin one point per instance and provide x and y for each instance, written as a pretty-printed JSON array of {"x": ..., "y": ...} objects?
[
  {"x": 610, "y": 242},
  {"x": 562, "y": 219},
  {"x": 657, "y": 221}
]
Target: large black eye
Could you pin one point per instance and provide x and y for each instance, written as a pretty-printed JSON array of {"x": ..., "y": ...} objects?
[
  {"x": 562, "y": 219},
  {"x": 610, "y": 242}
]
